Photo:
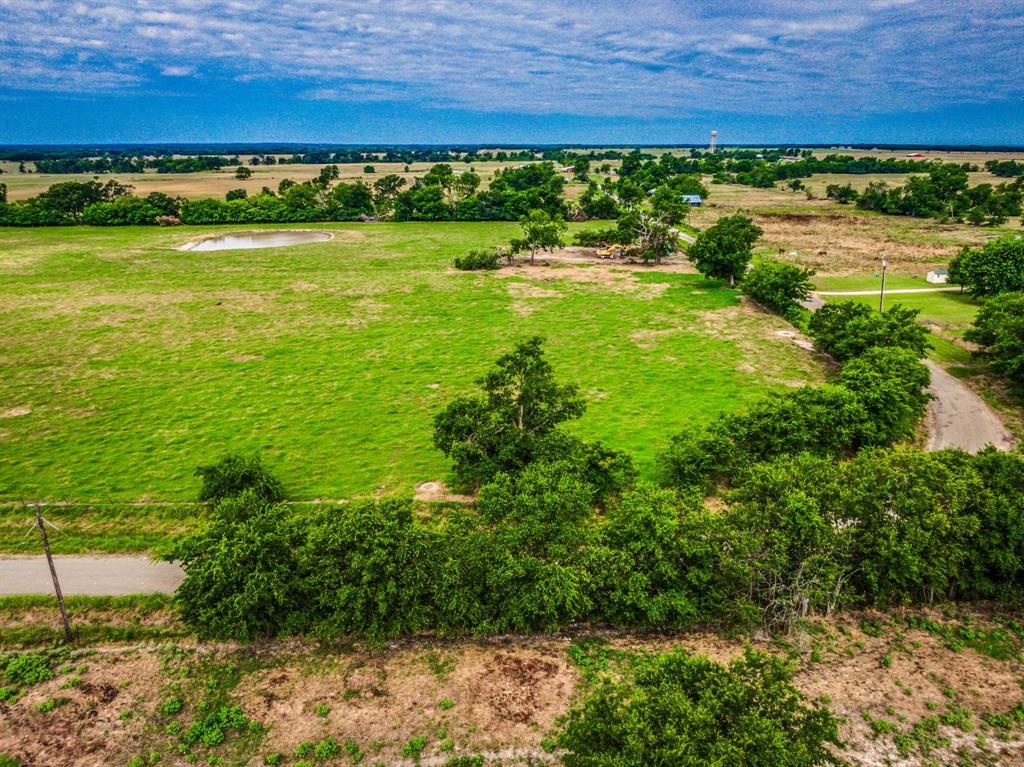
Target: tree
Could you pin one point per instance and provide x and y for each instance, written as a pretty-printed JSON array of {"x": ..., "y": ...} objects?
[
  {"x": 667, "y": 205},
  {"x": 235, "y": 194},
  {"x": 284, "y": 185},
  {"x": 503, "y": 428},
  {"x": 778, "y": 285},
  {"x": 652, "y": 239},
  {"x": 723, "y": 250},
  {"x": 466, "y": 183},
  {"x": 369, "y": 169},
  {"x": 328, "y": 173},
  {"x": 581, "y": 168},
  {"x": 999, "y": 332},
  {"x": 841, "y": 194},
  {"x": 848, "y": 329},
  {"x": 242, "y": 173},
  {"x": 689, "y": 711},
  {"x": 3, "y": 193},
  {"x": 385, "y": 189},
  {"x": 541, "y": 231},
  {"x": 891, "y": 384},
  {"x": 597, "y": 204},
  {"x": 996, "y": 267}
]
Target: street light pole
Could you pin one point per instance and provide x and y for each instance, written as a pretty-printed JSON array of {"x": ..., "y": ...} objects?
[{"x": 881, "y": 295}]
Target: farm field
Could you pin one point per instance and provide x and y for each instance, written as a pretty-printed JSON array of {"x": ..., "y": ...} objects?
[
  {"x": 840, "y": 240},
  {"x": 912, "y": 688},
  {"x": 128, "y": 363},
  {"x": 218, "y": 183}
]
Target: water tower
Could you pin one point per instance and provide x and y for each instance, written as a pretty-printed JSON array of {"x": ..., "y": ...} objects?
[{"x": 714, "y": 142}]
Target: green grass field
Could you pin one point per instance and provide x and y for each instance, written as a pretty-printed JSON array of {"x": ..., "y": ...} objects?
[{"x": 127, "y": 363}]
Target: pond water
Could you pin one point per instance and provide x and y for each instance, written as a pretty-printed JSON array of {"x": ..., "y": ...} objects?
[{"x": 250, "y": 240}]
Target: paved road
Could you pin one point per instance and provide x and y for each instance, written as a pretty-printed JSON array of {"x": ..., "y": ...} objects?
[
  {"x": 93, "y": 576},
  {"x": 960, "y": 418},
  {"x": 875, "y": 291}
]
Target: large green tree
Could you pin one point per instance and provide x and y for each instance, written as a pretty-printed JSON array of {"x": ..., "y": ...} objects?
[
  {"x": 504, "y": 427},
  {"x": 723, "y": 250},
  {"x": 996, "y": 267}
]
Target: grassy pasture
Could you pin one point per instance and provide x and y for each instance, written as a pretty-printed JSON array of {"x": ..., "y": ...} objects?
[{"x": 127, "y": 362}]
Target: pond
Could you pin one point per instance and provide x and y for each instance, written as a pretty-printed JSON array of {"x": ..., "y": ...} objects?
[{"x": 250, "y": 240}]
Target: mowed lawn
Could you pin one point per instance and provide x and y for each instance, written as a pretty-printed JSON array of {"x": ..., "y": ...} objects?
[{"x": 126, "y": 362}]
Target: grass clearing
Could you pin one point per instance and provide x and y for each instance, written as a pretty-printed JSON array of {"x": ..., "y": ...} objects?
[{"x": 128, "y": 362}]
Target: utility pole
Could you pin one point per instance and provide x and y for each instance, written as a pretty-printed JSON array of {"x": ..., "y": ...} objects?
[
  {"x": 53, "y": 574},
  {"x": 881, "y": 295}
]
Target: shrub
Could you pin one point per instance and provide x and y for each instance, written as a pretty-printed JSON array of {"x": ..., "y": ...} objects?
[
  {"x": 213, "y": 729},
  {"x": 891, "y": 384},
  {"x": 171, "y": 706},
  {"x": 777, "y": 285},
  {"x": 663, "y": 562},
  {"x": 829, "y": 420},
  {"x": 413, "y": 748},
  {"x": 240, "y": 573},
  {"x": 326, "y": 750},
  {"x": 690, "y": 712},
  {"x": 999, "y": 331},
  {"x": 849, "y": 329},
  {"x": 596, "y": 238},
  {"x": 234, "y": 474},
  {"x": 28, "y": 669},
  {"x": 477, "y": 259},
  {"x": 368, "y": 570}
]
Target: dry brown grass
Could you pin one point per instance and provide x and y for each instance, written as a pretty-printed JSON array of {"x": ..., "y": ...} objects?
[{"x": 506, "y": 694}]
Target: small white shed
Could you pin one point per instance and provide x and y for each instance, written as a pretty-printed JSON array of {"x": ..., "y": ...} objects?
[{"x": 938, "y": 276}]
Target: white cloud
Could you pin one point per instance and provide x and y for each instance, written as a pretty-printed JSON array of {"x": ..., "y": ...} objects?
[
  {"x": 177, "y": 71},
  {"x": 641, "y": 59}
]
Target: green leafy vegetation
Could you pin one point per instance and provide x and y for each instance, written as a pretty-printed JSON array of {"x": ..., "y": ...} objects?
[
  {"x": 778, "y": 286},
  {"x": 996, "y": 267},
  {"x": 687, "y": 710},
  {"x": 999, "y": 332}
]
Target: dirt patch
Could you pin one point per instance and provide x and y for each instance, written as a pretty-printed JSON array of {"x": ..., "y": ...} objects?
[
  {"x": 437, "y": 491},
  {"x": 14, "y": 412}
]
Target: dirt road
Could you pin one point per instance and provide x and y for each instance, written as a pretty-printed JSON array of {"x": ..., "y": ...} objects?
[
  {"x": 92, "y": 576},
  {"x": 960, "y": 418}
]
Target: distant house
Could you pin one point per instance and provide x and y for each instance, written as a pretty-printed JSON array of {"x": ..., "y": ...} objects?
[
  {"x": 568, "y": 169},
  {"x": 915, "y": 154},
  {"x": 938, "y": 276},
  {"x": 693, "y": 200}
]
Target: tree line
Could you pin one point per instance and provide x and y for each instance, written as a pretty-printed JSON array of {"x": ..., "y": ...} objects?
[
  {"x": 944, "y": 194},
  {"x": 442, "y": 194},
  {"x": 820, "y": 511}
]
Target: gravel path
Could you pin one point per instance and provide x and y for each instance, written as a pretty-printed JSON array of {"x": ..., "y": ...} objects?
[{"x": 960, "y": 418}]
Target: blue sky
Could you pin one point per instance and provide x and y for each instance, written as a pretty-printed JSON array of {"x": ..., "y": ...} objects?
[{"x": 545, "y": 71}]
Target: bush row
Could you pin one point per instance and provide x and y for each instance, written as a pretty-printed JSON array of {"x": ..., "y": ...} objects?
[{"x": 799, "y": 534}]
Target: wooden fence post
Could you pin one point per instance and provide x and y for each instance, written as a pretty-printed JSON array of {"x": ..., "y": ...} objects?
[{"x": 53, "y": 574}]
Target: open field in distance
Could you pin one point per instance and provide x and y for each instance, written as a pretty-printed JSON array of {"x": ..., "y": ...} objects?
[{"x": 130, "y": 362}]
